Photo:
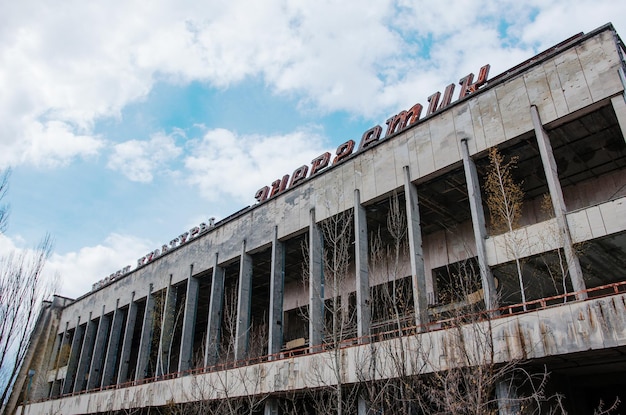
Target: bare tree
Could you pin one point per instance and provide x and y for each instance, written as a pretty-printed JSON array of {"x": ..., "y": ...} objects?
[
  {"x": 504, "y": 200},
  {"x": 23, "y": 286}
]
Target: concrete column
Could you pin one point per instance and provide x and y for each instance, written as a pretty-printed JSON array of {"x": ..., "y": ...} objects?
[
  {"x": 271, "y": 407},
  {"x": 316, "y": 283},
  {"x": 72, "y": 364},
  {"x": 189, "y": 323},
  {"x": 86, "y": 353},
  {"x": 277, "y": 285},
  {"x": 97, "y": 358},
  {"x": 168, "y": 319},
  {"x": 131, "y": 318},
  {"x": 508, "y": 400},
  {"x": 361, "y": 251},
  {"x": 619, "y": 106},
  {"x": 110, "y": 361},
  {"x": 215, "y": 315},
  {"x": 362, "y": 405},
  {"x": 145, "y": 344},
  {"x": 416, "y": 252},
  {"x": 244, "y": 302},
  {"x": 56, "y": 361},
  {"x": 558, "y": 203},
  {"x": 478, "y": 225}
]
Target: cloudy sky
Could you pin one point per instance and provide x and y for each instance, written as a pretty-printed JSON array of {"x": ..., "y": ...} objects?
[{"x": 125, "y": 123}]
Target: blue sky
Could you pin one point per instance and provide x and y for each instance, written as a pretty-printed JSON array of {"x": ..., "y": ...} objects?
[{"x": 127, "y": 123}]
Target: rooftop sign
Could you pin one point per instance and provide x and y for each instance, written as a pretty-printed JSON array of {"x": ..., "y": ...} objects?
[{"x": 397, "y": 123}]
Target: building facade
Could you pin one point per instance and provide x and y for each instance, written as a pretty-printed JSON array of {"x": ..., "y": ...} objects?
[{"x": 370, "y": 278}]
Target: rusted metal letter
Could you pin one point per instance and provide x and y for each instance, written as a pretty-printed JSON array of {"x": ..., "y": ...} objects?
[
  {"x": 413, "y": 115},
  {"x": 343, "y": 151},
  {"x": 298, "y": 175},
  {"x": 319, "y": 163},
  {"x": 370, "y": 136},
  {"x": 433, "y": 100},
  {"x": 262, "y": 194},
  {"x": 447, "y": 96}
]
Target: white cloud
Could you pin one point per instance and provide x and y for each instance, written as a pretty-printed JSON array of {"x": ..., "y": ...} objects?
[
  {"x": 224, "y": 163},
  {"x": 69, "y": 65},
  {"x": 138, "y": 160},
  {"x": 80, "y": 269}
]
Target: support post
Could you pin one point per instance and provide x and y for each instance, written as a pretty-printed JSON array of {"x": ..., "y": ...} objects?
[
  {"x": 215, "y": 315},
  {"x": 131, "y": 318},
  {"x": 361, "y": 251},
  {"x": 277, "y": 285},
  {"x": 86, "y": 353},
  {"x": 72, "y": 364},
  {"x": 478, "y": 226},
  {"x": 558, "y": 203},
  {"x": 244, "y": 301},
  {"x": 508, "y": 400},
  {"x": 418, "y": 272},
  {"x": 145, "y": 344},
  {"x": 316, "y": 283},
  {"x": 55, "y": 390},
  {"x": 189, "y": 323},
  {"x": 167, "y": 330},
  {"x": 110, "y": 362},
  {"x": 97, "y": 359}
]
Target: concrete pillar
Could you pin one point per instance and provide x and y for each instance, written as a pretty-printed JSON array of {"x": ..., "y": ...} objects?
[
  {"x": 110, "y": 361},
  {"x": 478, "y": 225},
  {"x": 277, "y": 283},
  {"x": 131, "y": 318},
  {"x": 316, "y": 283},
  {"x": 508, "y": 400},
  {"x": 215, "y": 315},
  {"x": 361, "y": 251},
  {"x": 72, "y": 363},
  {"x": 244, "y": 302},
  {"x": 189, "y": 323},
  {"x": 56, "y": 361},
  {"x": 168, "y": 320},
  {"x": 558, "y": 203},
  {"x": 362, "y": 405},
  {"x": 97, "y": 358},
  {"x": 271, "y": 407},
  {"x": 416, "y": 252},
  {"x": 619, "y": 106},
  {"x": 145, "y": 344},
  {"x": 86, "y": 352}
]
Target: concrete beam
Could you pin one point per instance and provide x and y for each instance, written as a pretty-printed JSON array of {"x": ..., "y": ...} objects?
[
  {"x": 361, "y": 250},
  {"x": 416, "y": 252},
  {"x": 145, "y": 344},
  {"x": 478, "y": 226},
  {"x": 277, "y": 290},
  {"x": 168, "y": 319},
  {"x": 72, "y": 364},
  {"x": 99, "y": 350},
  {"x": 185, "y": 361},
  {"x": 244, "y": 302},
  {"x": 558, "y": 203},
  {"x": 316, "y": 288},
  {"x": 65, "y": 340},
  {"x": 113, "y": 348},
  {"x": 215, "y": 315},
  {"x": 86, "y": 353},
  {"x": 131, "y": 318},
  {"x": 619, "y": 106}
]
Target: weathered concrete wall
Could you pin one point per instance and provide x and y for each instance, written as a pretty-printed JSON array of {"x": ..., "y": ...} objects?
[{"x": 575, "y": 327}]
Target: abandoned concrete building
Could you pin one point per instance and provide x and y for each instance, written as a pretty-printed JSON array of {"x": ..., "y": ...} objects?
[{"x": 385, "y": 270}]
